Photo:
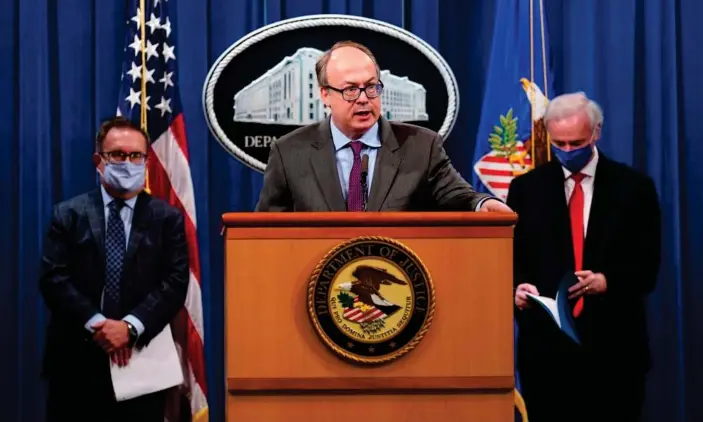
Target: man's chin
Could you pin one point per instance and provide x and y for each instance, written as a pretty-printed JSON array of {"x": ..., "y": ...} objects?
[{"x": 364, "y": 122}]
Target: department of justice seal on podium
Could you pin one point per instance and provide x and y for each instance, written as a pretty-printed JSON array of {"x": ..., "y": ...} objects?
[{"x": 371, "y": 300}]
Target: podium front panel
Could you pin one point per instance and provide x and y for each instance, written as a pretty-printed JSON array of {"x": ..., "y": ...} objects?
[{"x": 277, "y": 364}]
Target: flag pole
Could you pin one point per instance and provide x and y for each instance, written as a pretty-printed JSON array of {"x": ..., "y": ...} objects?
[
  {"x": 544, "y": 70},
  {"x": 142, "y": 117},
  {"x": 531, "y": 92}
]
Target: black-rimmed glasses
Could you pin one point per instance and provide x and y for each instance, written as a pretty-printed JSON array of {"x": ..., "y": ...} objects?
[
  {"x": 121, "y": 156},
  {"x": 351, "y": 93}
]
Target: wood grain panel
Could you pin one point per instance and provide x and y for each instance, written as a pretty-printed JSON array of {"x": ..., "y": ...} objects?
[
  {"x": 350, "y": 407},
  {"x": 465, "y": 360}
]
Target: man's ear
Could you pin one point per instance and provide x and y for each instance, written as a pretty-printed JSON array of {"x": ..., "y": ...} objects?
[
  {"x": 597, "y": 132},
  {"x": 324, "y": 96},
  {"x": 96, "y": 159}
]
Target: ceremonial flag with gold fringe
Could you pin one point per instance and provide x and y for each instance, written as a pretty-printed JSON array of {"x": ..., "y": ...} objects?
[{"x": 149, "y": 96}]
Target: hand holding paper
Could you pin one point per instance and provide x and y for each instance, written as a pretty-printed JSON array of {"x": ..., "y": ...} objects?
[
  {"x": 559, "y": 308},
  {"x": 153, "y": 368},
  {"x": 521, "y": 299}
]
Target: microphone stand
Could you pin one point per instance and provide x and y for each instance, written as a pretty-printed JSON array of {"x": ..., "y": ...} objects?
[{"x": 364, "y": 190}]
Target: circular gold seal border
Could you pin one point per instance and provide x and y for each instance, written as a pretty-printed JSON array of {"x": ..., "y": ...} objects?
[{"x": 353, "y": 357}]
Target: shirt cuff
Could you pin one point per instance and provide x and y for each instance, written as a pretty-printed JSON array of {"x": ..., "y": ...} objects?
[
  {"x": 94, "y": 320},
  {"x": 136, "y": 322},
  {"x": 483, "y": 201}
]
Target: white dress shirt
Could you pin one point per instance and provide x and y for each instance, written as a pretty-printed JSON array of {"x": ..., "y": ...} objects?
[{"x": 589, "y": 171}]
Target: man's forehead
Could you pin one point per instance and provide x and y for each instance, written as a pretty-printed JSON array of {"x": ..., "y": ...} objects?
[{"x": 124, "y": 137}]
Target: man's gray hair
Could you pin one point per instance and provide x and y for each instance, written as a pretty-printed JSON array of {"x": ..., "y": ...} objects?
[{"x": 567, "y": 105}]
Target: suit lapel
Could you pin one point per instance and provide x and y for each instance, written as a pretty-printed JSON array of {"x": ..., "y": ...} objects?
[
  {"x": 140, "y": 218},
  {"x": 323, "y": 163},
  {"x": 602, "y": 193},
  {"x": 96, "y": 220},
  {"x": 387, "y": 164}
]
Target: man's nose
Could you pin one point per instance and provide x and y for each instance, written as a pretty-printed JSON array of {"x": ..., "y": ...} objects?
[{"x": 362, "y": 97}]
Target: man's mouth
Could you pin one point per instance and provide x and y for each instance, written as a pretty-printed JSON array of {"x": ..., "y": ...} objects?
[{"x": 362, "y": 113}]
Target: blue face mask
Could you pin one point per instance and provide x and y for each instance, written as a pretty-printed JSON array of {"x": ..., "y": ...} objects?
[
  {"x": 125, "y": 176},
  {"x": 574, "y": 160}
]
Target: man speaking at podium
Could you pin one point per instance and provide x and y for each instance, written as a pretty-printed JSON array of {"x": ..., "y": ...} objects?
[{"x": 358, "y": 161}]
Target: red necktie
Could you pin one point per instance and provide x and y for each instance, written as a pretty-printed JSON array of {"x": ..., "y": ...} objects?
[{"x": 576, "y": 203}]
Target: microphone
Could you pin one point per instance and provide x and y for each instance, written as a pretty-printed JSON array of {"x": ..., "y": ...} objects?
[{"x": 364, "y": 175}]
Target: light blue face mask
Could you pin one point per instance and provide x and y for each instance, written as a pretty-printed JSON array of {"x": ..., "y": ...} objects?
[{"x": 125, "y": 176}]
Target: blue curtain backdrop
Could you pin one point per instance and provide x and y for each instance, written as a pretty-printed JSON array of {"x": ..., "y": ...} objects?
[{"x": 59, "y": 76}]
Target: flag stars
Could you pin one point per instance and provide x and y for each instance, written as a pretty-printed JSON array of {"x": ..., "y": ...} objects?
[
  {"x": 154, "y": 23},
  {"x": 138, "y": 18},
  {"x": 136, "y": 45},
  {"x": 134, "y": 98},
  {"x": 135, "y": 72},
  {"x": 150, "y": 75},
  {"x": 164, "y": 106},
  {"x": 166, "y": 80},
  {"x": 151, "y": 50},
  {"x": 167, "y": 27},
  {"x": 168, "y": 52}
]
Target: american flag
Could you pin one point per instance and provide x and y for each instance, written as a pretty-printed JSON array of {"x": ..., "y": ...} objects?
[{"x": 149, "y": 96}]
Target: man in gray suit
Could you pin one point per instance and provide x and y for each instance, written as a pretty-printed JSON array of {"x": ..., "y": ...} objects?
[{"x": 357, "y": 160}]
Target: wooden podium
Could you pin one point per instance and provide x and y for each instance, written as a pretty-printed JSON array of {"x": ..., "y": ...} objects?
[{"x": 279, "y": 369}]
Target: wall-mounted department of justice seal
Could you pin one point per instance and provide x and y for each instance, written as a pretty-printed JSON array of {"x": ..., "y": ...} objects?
[
  {"x": 264, "y": 85},
  {"x": 371, "y": 300}
]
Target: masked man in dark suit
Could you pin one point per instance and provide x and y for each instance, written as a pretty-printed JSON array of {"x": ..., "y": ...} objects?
[
  {"x": 585, "y": 214},
  {"x": 114, "y": 273},
  {"x": 321, "y": 167}
]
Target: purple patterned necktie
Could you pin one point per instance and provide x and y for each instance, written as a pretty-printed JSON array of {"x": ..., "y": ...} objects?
[{"x": 355, "y": 201}]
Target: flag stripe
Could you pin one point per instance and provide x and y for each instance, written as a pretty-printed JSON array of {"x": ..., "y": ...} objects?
[
  {"x": 169, "y": 149},
  {"x": 162, "y": 185}
]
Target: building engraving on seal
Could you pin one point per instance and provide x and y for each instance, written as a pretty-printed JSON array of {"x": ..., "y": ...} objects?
[
  {"x": 371, "y": 300},
  {"x": 288, "y": 94}
]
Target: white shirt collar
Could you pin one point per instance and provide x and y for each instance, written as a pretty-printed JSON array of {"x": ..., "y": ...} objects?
[{"x": 590, "y": 168}]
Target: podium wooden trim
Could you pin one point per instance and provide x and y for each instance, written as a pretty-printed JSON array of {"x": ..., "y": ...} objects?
[
  {"x": 262, "y": 384},
  {"x": 324, "y": 385}
]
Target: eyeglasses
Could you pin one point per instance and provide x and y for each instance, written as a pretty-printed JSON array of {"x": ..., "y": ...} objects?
[
  {"x": 351, "y": 93},
  {"x": 121, "y": 156}
]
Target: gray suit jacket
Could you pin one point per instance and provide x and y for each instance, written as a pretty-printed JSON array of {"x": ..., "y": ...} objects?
[{"x": 412, "y": 173}]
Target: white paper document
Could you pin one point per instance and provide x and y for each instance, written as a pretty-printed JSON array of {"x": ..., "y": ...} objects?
[
  {"x": 549, "y": 304},
  {"x": 154, "y": 368}
]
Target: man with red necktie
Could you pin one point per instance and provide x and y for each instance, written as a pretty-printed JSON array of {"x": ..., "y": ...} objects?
[{"x": 586, "y": 214}]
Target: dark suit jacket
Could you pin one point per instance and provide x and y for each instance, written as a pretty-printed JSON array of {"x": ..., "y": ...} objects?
[
  {"x": 412, "y": 172},
  {"x": 622, "y": 242},
  {"x": 154, "y": 278}
]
